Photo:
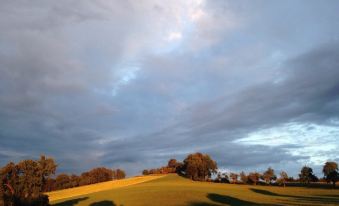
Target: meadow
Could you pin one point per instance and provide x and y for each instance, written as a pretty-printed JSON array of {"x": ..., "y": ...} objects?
[{"x": 175, "y": 190}]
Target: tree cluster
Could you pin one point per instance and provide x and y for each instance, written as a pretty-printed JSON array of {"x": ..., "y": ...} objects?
[
  {"x": 173, "y": 166},
  {"x": 24, "y": 183},
  {"x": 96, "y": 175},
  {"x": 201, "y": 167},
  {"x": 195, "y": 166},
  {"x": 268, "y": 177}
]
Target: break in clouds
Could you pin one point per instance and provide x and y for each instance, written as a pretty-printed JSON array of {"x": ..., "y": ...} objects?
[{"x": 131, "y": 84}]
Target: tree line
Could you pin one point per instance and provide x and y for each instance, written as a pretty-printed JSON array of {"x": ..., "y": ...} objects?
[
  {"x": 200, "y": 167},
  {"x": 95, "y": 175},
  {"x": 24, "y": 183}
]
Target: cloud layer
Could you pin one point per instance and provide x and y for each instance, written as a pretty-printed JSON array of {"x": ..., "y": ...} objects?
[{"x": 132, "y": 84}]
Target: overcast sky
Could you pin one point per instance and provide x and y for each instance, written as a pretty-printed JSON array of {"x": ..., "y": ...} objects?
[{"x": 131, "y": 84}]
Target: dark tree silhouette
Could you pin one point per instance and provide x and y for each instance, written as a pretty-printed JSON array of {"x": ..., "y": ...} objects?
[
  {"x": 269, "y": 175},
  {"x": 306, "y": 175},
  {"x": 330, "y": 171}
]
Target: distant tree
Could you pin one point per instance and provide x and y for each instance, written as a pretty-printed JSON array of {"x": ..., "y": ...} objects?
[
  {"x": 74, "y": 180},
  {"x": 306, "y": 175},
  {"x": 85, "y": 179},
  {"x": 174, "y": 166},
  {"x": 62, "y": 181},
  {"x": 283, "y": 177},
  {"x": 330, "y": 171},
  {"x": 199, "y": 166},
  {"x": 145, "y": 172},
  {"x": 254, "y": 177},
  {"x": 120, "y": 174},
  {"x": 234, "y": 177},
  {"x": 100, "y": 174},
  {"x": 269, "y": 175},
  {"x": 243, "y": 177},
  {"x": 172, "y": 163}
]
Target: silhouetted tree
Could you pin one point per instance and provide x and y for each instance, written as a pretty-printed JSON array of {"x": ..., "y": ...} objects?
[
  {"x": 145, "y": 172},
  {"x": 306, "y": 175},
  {"x": 330, "y": 171},
  {"x": 119, "y": 174},
  {"x": 199, "y": 166},
  {"x": 269, "y": 175}
]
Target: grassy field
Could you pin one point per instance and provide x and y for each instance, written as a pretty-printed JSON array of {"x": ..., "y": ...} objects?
[
  {"x": 73, "y": 192},
  {"x": 175, "y": 190}
]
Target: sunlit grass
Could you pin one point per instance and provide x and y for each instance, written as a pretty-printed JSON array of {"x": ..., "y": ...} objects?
[
  {"x": 77, "y": 191},
  {"x": 175, "y": 190}
]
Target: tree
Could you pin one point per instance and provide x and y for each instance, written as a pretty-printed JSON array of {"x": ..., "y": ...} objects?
[
  {"x": 254, "y": 177},
  {"x": 306, "y": 175},
  {"x": 62, "y": 181},
  {"x": 23, "y": 183},
  {"x": 234, "y": 177},
  {"x": 283, "y": 177},
  {"x": 330, "y": 171},
  {"x": 119, "y": 174},
  {"x": 145, "y": 172},
  {"x": 74, "y": 180},
  {"x": 199, "y": 166},
  {"x": 269, "y": 175},
  {"x": 172, "y": 163},
  {"x": 243, "y": 177}
]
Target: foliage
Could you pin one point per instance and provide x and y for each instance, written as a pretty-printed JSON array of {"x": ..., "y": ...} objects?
[
  {"x": 283, "y": 178},
  {"x": 199, "y": 167},
  {"x": 330, "y": 171},
  {"x": 23, "y": 183},
  {"x": 254, "y": 177},
  {"x": 306, "y": 175},
  {"x": 269, "y": 175}
]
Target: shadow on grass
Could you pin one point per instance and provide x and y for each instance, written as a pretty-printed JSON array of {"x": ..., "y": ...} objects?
[
  {"x": 232, "y": 201},
  {"x": 72, "y": 202},
  {"x": 103, "y": 203},
  {"x": 302, "y": 199}
]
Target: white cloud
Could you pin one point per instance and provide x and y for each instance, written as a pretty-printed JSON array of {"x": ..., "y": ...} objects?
[
  {"x": 316, "y": 141},
  {"x": 172, "y": 36}
]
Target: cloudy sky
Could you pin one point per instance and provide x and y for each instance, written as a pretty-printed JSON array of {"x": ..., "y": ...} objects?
[{"x": 131, "y": 84}]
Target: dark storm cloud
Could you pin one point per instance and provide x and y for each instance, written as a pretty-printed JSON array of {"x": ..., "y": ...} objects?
[
  {"x": 307, "y": 92},
  {"x": 130, "y": 85}
]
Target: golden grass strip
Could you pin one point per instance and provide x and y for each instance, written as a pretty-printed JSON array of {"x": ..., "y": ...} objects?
[{"x": 83, "y": 190}]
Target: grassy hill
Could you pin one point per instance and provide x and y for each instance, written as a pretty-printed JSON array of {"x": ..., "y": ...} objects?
[{"x": 176, "y": 190}]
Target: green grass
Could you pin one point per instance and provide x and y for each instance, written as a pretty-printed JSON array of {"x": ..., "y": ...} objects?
[{"x": 175, "y": 190}]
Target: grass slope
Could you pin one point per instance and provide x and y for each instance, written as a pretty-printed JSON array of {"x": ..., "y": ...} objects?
[
  {"x": 83, "y": 190},
  {"x": 175, "y": 190}
]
